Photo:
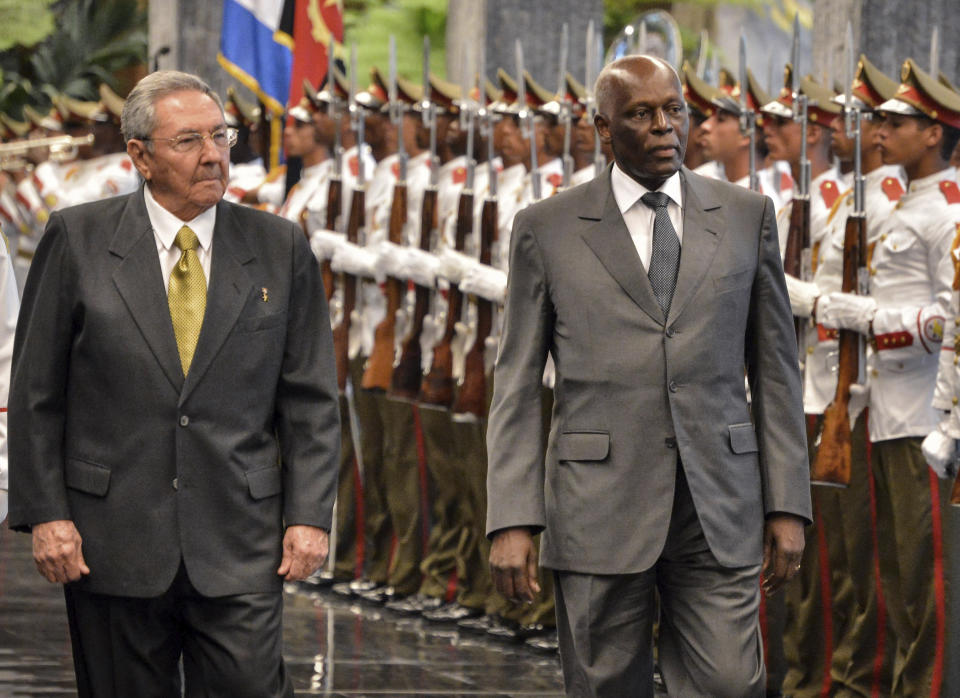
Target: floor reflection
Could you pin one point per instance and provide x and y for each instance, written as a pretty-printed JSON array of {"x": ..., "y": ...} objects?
[{"x": 332, "y": 647}]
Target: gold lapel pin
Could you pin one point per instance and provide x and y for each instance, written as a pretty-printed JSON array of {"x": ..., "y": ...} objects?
[{"x": 264, "y": 295}]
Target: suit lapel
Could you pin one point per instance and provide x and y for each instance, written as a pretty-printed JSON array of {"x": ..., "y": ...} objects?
[
  {"x": 227, "y": 292},
  {"x": 702, "y": 230},
  {"x": 141, "y": 286},
  {"x": 611, "y": 243}
]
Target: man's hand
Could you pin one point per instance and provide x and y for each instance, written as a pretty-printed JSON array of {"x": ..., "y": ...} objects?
[
  {"x": 782, "y": 550},
  {"x": 56, "y": 551},
  {"x": 304, "y": 551},
  {"x": 513, "y": 564}
]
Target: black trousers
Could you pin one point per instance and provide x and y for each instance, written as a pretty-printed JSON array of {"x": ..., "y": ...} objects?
[{"x": 231, "y": 645}]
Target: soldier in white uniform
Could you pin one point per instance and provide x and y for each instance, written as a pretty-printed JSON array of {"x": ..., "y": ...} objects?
[
  {"x": 808, "y": 618},
  {"x": 904, "y": 316},
  {"x": 302, "y": 139},
  {"x": 859, "y": 660}
]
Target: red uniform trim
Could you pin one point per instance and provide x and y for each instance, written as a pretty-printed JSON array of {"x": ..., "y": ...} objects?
[
  {"x": 830, "y": 192},
  {"x": 825, "y": 333},
  {"x": 892, "y": 188},
  {"x": 950, "y": 190},
  {"x": 939, "y": 592},
  {"x": 826, "y": 605},
  {"x": 894, "y": 340}
]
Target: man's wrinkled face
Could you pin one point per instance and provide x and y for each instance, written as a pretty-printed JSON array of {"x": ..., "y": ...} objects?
[
  {"x": 186, "y": 183},
  {"x": 645, "y": 120}
]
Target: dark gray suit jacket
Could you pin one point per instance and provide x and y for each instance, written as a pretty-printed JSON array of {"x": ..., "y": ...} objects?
[
  {"x": 632, "y": 391},
  {"x": 150, "y": 466}
]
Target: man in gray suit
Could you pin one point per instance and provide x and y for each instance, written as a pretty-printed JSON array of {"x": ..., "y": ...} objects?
[
  {"x": 658, "y": 474},
  {"x": 174, "y": 441}
]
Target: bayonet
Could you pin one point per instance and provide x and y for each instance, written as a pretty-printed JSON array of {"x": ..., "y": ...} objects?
[
  {"x": 396, "y": 109},
  {"x": 357, "y": 118},
  {"x": 800, "y": 112},
  {"x": 702, "y": 54},
  {"x": 748, "y": 119},
  {"x": 467, "y": 117},
  {"x": 565, "y": 113},
  {"x": 527, "y": 122},
  {"x": 336, "y": 113},
  {"x": 428, "y": 112}
]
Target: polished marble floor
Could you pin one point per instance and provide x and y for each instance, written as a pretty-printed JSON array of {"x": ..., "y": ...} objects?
[{"x": 333, "y": 647}]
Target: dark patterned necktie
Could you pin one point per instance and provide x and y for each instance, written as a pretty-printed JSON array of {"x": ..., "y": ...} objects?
[{"x": 666, "y": 251}]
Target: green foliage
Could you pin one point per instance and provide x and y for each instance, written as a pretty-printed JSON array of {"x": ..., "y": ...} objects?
[
  {"x": 370, "y": 23},
  {"x": 92, "y": 41},
  {"x": 24, "y": 22}
]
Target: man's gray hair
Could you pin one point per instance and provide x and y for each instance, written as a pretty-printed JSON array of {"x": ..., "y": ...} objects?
[{"x": 139, "y": 117}]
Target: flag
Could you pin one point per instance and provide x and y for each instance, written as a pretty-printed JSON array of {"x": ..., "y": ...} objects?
[
  {"x": 256, "y": 48},
  {"x": 314, "y": 23},
  {"x": 270, "y": 46}
]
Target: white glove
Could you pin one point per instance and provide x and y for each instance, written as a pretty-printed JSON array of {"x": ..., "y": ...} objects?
[
  {"x": 846, "y": 311},
  {"x": 454, "y": 264},
  {"x": 803, "y": 294},
  {"x": 3, "y": 505},
  {"x": 859, "y": 399},
  {"x": 389, "y": 259},
  {"x": 941, "y": 453},
  {"x": 324, "y": 243},
  {"x": 486, "y": 282},
  {"x": 355, "y": 260},
  {"x": 420, "y": 267}
]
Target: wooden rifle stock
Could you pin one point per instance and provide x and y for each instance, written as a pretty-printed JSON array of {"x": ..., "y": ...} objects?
[
  {"x": 472, "y": 399},
  {"x": 348, "y": 282},
  {"x": 798, "y": 240},
  {"x": 408, "y": 373},
  {"x": 437, "y": 387},
  {"x": 379, "y": 369},
  {"x": 833, "y": 461},
  {"x": 334, "y": 195}
]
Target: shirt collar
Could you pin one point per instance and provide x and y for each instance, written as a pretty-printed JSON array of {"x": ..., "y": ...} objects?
[
  {"x": 166, "y": 225},
  {"x": 627, "y": 191},
  {"x": 931, "y": 181}
]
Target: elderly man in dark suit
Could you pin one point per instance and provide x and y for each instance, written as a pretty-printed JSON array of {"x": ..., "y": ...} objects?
[
  {"x": 655, "y": 291},
  {"x": 173, "y": 415}
]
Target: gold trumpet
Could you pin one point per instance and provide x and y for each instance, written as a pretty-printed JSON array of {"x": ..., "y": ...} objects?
[{"x": 62, "y": 148}]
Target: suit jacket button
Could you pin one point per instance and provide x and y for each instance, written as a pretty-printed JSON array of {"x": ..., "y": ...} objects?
[
  {"x": 670, "y": 442},
  {"x": 669, "y": 332},
  {"x": 672, "y": 385},
  {"x": 176, "y": 483},
  {"x": 184, "y": 420}
]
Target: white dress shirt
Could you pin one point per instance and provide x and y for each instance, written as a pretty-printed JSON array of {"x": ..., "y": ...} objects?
[
  {"x": 165, "y": 227},
  {"x": 638, "y": 216}
]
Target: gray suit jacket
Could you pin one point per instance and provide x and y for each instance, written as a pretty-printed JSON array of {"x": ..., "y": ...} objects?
[
  {"x": 633, "y": 391},
  {"x": 153, "y": 467}
]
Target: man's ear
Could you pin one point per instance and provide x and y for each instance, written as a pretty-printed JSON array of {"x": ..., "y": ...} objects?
[
  {"x": 137, "y": 150},
  {"x": 933, "y": 135},
  {"x": 603, "y": 127}
]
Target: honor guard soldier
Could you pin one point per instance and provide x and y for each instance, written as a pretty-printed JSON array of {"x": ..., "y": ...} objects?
[
  {"x": 303, "y": 140},
  {"x": 246, "y": 164},
  {"x": 806, "y": 655},
  {"x": 860, "y": 661},
  {"x": 912, "y": 277},
  {"x": 700, "y": 110}
]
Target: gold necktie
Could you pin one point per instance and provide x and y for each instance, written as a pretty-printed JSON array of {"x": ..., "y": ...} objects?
[{"x": 187, "y": 296}]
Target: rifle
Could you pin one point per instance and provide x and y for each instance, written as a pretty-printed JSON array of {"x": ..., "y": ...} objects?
[
  {"x": 471, "y": 404},
  {"x": 565, "y": 115},
  {"x": 436, "y": 391},
  {"x": 379, "y": 369},
  {"x": 356, "y": 223},
  {"x": 594, "y": 59},
  {"x": 833, "y": 462},
  {"x": 472, "y": 401},
  {"x": 797, "y": 259},
  {"x": 408, "y": 373},
  {"x": 335, "y": 186}
]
